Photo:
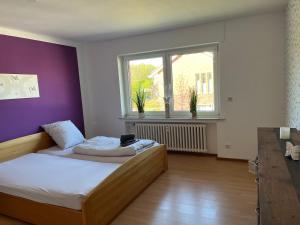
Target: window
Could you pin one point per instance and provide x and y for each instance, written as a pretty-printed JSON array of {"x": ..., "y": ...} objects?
[
  {"x": 171, "y": 73},
  {"x": 203, "y": 84},
  {"x": 210, "y": 83},
  {"x": 148, "y": 74}
]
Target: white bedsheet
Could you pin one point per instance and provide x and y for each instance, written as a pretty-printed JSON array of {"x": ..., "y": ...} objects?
[
  {"x": 52, "y": 180},
  {"x": 69, "y": 153}
]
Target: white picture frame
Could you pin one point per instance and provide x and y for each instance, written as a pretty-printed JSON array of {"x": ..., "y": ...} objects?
[{"x": 18, "y": 86}]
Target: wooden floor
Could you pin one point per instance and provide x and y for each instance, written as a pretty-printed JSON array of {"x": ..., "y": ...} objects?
[{"x": 196, "y": 190}]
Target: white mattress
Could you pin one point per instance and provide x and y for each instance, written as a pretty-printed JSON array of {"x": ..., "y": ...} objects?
[
  {"x": 68, "y": 153},
  {"x": 52, "y": 180}
]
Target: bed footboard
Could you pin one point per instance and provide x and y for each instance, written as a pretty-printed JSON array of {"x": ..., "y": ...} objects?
[
  {"x": 105, "y": 202},
  {"x": 38, "y": 213}
]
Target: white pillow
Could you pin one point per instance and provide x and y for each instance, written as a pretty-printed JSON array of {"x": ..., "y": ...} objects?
[{"x": 64, "y": 133}]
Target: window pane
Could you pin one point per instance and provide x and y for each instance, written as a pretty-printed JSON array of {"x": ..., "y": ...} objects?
[
  {"x": 195, "y": 71},
  {"x": 147, "y": 74}
]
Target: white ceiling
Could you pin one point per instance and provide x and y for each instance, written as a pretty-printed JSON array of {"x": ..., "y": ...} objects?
[{"x": 107, "y": 19}]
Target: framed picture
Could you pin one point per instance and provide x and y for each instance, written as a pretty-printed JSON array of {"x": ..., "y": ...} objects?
[{"x": 16, "y": 86}]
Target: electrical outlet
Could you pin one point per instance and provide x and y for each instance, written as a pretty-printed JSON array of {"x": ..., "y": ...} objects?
[
  {"x": 228, "y": 146},
  {"x": 230, "y": 99}
]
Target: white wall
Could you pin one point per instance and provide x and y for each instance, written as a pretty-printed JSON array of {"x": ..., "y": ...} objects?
[
  {"x": 252, "y": 72},
  {"x": 55, "y": 40},
  {"x": 252, "y": 69}
]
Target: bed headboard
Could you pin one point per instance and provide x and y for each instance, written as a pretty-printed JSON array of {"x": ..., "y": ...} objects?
[{"x": 20, "y": 146}]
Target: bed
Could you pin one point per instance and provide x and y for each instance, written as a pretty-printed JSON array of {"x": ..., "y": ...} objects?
[
  {"x": 101, "y": 204},
  {"x": 52, "y": 180}
]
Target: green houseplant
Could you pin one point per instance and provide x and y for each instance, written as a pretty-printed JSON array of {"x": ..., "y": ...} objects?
[
  {"x": 139, "y": 100},
  {"x": 193, "y": 103}
]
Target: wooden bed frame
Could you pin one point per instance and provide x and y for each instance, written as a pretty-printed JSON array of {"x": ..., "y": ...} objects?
[{"x": 101, "y": 205}]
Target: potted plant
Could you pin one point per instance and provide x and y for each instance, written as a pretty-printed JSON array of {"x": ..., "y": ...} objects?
[
  {"x": 193, "y": 103},
  {"x": 139, "y": 100}
]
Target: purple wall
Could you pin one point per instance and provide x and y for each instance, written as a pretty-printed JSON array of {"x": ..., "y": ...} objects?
[{"x": 58, "y": 77}]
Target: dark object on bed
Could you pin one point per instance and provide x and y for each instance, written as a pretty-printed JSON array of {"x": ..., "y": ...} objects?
[{"x": 127, "y": 139}]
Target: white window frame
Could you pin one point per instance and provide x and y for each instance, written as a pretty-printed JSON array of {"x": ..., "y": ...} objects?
[
  {"x": 126, "y": 89},
  {"x": 168, "y": 86}
]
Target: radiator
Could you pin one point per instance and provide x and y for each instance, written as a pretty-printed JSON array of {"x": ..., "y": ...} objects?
[{"x": 177, "y": 137}]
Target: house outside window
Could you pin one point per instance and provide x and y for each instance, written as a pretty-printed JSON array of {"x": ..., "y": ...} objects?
[{"x": 171, "y": 73}]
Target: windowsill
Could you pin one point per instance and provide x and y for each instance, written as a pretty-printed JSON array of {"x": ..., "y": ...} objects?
[{"x": 199, "y": 119}]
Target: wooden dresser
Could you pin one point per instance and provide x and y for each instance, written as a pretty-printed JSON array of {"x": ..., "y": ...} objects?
[{"x": 278, "y": 180}]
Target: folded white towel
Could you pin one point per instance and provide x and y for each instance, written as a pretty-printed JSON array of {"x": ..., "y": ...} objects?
[
  {"x": 295, "y": 152},
  {"x": 289, "y": 147},
  {"x": 106, "y": 146},
  {"x": 91, "y": 149},
  {"x": 142, "y": 143}
]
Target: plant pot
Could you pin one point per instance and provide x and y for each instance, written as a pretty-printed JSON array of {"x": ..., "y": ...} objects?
[
  {"x": 167, "y": 110},
  {"x": 194, "y": 115},
  {"x": 141, "y": 115}
]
